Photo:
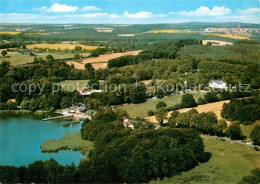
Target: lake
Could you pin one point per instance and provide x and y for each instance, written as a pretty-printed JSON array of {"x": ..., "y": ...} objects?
[{"x": 22, "y": 135}]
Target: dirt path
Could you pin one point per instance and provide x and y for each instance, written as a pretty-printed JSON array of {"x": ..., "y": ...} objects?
[{"x": 215, "y": 107}]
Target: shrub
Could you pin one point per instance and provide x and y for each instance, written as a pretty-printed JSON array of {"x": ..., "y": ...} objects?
[
  {"x": 255, "y": 135},
  {"x": 187, "y": 100},
  {"x": 175, "y": 107},
  {"x": 160, "y": 105},
  {"x": 150, "y": 113}
]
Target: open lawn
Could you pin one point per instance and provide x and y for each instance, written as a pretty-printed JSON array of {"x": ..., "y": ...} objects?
[
  {"x": 140, "y": 110},
  {"x": 247, "y": 129},
  {"x": 18, "y": 58},
  {"x": 238, "y": 37},
  {"x": 69, "y": 141},
  {"x": 61, "y": 46},
  {"x": 228, "y": 164}
]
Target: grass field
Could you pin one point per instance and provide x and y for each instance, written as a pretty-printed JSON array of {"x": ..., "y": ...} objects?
[
  {"x": 228, "y": 164},
  {"x": 247, "y": 129},
  {"x": 18, "y": 58},
  {"x": 140, "y": 110},
  {"x": 61, "y": 46},
  {"x": 238, "y": 37},
  {"x": 69, "y": 141}
]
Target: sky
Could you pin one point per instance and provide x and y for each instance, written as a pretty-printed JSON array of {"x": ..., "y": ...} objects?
[{"x": 128, "y": 11}]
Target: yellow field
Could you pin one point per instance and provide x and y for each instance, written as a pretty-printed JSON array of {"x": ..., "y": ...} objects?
[
  {"x": 12, "y": 33},
  {"x": 60, "y": 46},
  {"x": 168, "y": 31},
  {"x": 239, "y": 37},
  {"x": 215, "y": 107}
]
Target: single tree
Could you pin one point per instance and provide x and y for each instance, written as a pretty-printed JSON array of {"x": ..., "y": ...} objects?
[
  {"x": 4, "y": 53},
  {"x": 161, "y": 115}
]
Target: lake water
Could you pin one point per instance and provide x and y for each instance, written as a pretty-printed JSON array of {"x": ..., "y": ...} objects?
[{"x": 21, "y": 137}]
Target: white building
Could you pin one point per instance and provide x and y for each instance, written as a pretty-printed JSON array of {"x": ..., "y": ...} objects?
[
  {"x": 218, "y": 84},
  {"x": 127, "y": 123}
]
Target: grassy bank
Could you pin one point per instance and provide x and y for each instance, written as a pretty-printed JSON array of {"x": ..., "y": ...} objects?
[
  {"x": 247, "y": 129},
  {"x": 69, "y": 141},
  {"x": 140, "y": 110},
  {"x": 228, "y": 164}
]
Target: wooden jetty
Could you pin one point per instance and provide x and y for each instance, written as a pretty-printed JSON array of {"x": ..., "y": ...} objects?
[{"x": 57, "y": 117}]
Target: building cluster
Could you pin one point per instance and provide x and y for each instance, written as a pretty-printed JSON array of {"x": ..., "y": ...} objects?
[{"x": 232, "y": 30}]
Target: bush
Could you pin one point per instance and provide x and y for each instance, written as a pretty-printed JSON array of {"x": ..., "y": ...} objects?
[
  {"x": 175, "y": 107},
  {"x": 200, "y": 101},
  {"x": 256, "y": 148},
  {"x": 255, "y": 135},
  {"x": 160, "y": 105},
  {"x": 187, "y": 100},
  {"x": 150, "y": 113}
]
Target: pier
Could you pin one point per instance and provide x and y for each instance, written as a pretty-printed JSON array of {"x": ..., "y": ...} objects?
[{"x": 57, "y": 117}]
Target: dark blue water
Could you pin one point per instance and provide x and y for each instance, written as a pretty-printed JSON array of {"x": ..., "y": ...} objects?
[{"x": 21, "y": 137}]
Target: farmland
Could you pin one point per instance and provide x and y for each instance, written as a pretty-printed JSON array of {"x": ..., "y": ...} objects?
[
  {"x": 172, "y": 31},
  {"x": 228, "y": 164},
  {"x": 100, "y": 62},
  {"x": 140, "y": 110},
  {"x": 59, "y": 46},
  {"x": 238, "y": 37},
  {"x": 215, "y": 107},
  {"x": 106, "y": 57}
]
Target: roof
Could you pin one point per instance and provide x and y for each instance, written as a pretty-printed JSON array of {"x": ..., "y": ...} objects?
[{"x": 219, "y": 82}]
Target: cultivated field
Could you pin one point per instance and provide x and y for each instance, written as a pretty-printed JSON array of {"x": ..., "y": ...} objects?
[
  {"x": 239, "y": 37},
  {"x": 18, "y": 58},
  {"x": 60, "y": 46},
  {"x": 228, "y": 164},
  {"x": 169, "y": 31},
  {"x": 11, "y": 33},
  {"x": 215, "y": 107},
  {"x": 106, "y": 57},
  {"x": 100, "y": 62},
  {"x": 140, "y": 110},
  {"x": 81, "y": 66}
]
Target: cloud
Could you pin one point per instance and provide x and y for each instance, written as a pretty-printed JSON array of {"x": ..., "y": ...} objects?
[
  {"x": 94, "y": 15},
  {"x": 205, "y": 11},
  {"x": 60, "y": 8},
  {"x": 113, "y": 16},
  {"x": 90, "y": 8},
  {"x": 249, "y": 11},
  {"x": 139, "y": 15}
]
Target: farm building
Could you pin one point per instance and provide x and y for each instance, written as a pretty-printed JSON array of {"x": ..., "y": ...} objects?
[{"x": 127, "y": 123}]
